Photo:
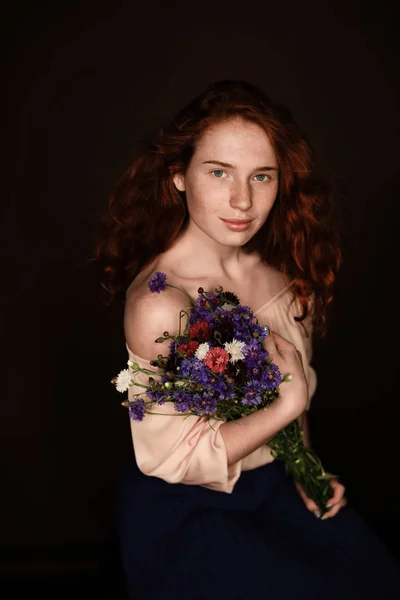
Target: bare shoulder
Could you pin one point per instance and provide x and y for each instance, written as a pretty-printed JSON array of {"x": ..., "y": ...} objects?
[{"x": 147, "y": 315}]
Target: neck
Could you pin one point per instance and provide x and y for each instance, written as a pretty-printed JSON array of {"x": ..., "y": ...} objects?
[{"x": 203, "y": 254}]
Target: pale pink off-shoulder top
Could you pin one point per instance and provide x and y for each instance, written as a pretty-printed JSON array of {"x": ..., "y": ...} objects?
[{"x": 191, "y": 450}]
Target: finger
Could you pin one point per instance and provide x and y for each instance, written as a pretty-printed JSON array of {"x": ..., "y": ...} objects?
[
  {"x": 338, "y": 492},
  {"x": 335, "y": 503},
  {"x": 334, "y": 511},
  {"x": 310, "y": 504},
  {"x": 283, "y": 345},
  {"x": 275, "y": 352},
  {"x": 269, "y": 343}
]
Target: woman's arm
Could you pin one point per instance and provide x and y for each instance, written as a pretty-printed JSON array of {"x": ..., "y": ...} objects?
[{"x": 245, "y": 435}]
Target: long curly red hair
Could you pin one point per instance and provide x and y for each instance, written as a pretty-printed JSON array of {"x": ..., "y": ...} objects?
[{"x": 146, "y": 213}]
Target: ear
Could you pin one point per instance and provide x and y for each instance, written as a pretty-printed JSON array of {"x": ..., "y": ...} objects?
[{"x": 179, "y": 181}]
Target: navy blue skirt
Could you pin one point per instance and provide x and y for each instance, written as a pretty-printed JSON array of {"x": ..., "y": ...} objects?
[{"x": 258, "y": 543}]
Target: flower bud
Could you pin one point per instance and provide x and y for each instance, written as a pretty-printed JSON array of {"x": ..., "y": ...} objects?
[
  {"x": 168, "y": 385},
  {"x": 166, "y": 334},
  {"x": 288, "y": 377},
  {"x": 200, "y": 290},
  {"x": 219, "y": 289}
]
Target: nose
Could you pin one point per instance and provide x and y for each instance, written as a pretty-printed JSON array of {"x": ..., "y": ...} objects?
[{"x": 241, "y": 196}]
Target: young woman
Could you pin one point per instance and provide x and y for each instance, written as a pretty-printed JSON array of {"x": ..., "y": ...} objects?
[{"x": 227, "y": 194}]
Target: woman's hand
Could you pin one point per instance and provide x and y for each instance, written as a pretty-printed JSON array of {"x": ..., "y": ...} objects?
[
  {"x": 337, "y": 501},
  {"x": 294, "y": 393}
]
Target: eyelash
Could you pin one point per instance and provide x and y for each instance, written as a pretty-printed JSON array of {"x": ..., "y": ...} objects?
[{"x": 259, "y": 175}]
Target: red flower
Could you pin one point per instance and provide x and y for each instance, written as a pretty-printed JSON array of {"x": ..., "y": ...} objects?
[
  {"x": 217, "y": 359},
  {"x": 188, "y": 347},
  {"x": 200, "y": 330}
]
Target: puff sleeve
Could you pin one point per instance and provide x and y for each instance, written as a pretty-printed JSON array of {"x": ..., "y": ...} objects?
[{"x": 187, "y": 450}]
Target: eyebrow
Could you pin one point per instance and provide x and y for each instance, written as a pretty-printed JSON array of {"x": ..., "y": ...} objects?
[{"x": 228, "y": 166}]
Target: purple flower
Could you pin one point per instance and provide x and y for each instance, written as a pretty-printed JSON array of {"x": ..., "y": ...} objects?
[
  {"x": 223, "y": 390},
  {"x": 192, "y": 367},
  {"x": 182, "y": 401},
  {"x": 137, "y": 410},
  {"x": 253, "y": 392},
  {"x": 253, "y": 372},
  {"x": 158, "y": 283},
  {"x": 203, "y": 404},
  {"x": 156, "y": 396},
  {"x": 254, "y": 353},
  {"x": 200, "y": 313},
  {"x": 271, "y": 377},
  {"x": 246, "y": 327}
]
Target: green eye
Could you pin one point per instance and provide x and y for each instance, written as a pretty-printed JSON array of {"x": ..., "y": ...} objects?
[
  {"x": 262, "y": 175},
  {"x": 218, "y": 173}
]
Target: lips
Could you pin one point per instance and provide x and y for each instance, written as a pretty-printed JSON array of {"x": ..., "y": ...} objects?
[
  {"x": 238, "y": 221},
  {"x": 237, "y": 224}
]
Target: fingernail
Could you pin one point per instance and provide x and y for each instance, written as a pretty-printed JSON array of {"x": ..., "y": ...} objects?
[
  {"x": 317, "y": 513},
  {"x": 329, "y": 505},
  {"x": 324, "y": 517}
]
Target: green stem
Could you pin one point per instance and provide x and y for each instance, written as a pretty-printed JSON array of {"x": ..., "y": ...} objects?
[{"x": 302, "y": 464}]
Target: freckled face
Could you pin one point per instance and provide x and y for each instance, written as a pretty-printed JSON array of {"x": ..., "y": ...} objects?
[{"x": 231, "y": 182}]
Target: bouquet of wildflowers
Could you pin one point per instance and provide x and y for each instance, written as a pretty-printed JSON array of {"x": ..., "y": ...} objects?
[{"x": 217, "y": 366}]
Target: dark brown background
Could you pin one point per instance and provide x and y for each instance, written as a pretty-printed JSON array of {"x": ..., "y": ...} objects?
[{"x": 83, "y": 82}]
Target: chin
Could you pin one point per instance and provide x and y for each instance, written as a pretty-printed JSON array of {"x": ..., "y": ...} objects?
[
  {"x": 236, "y": 240},
  {"x": 225, "y": 237}
]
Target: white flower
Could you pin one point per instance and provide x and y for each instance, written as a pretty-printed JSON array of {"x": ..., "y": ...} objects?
[
  {"x": 235, "y": 350},
  {"x": 228, "y": 306},
  {"x": 124, "y": 380},
  {"x": 201, "y": 351}
]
